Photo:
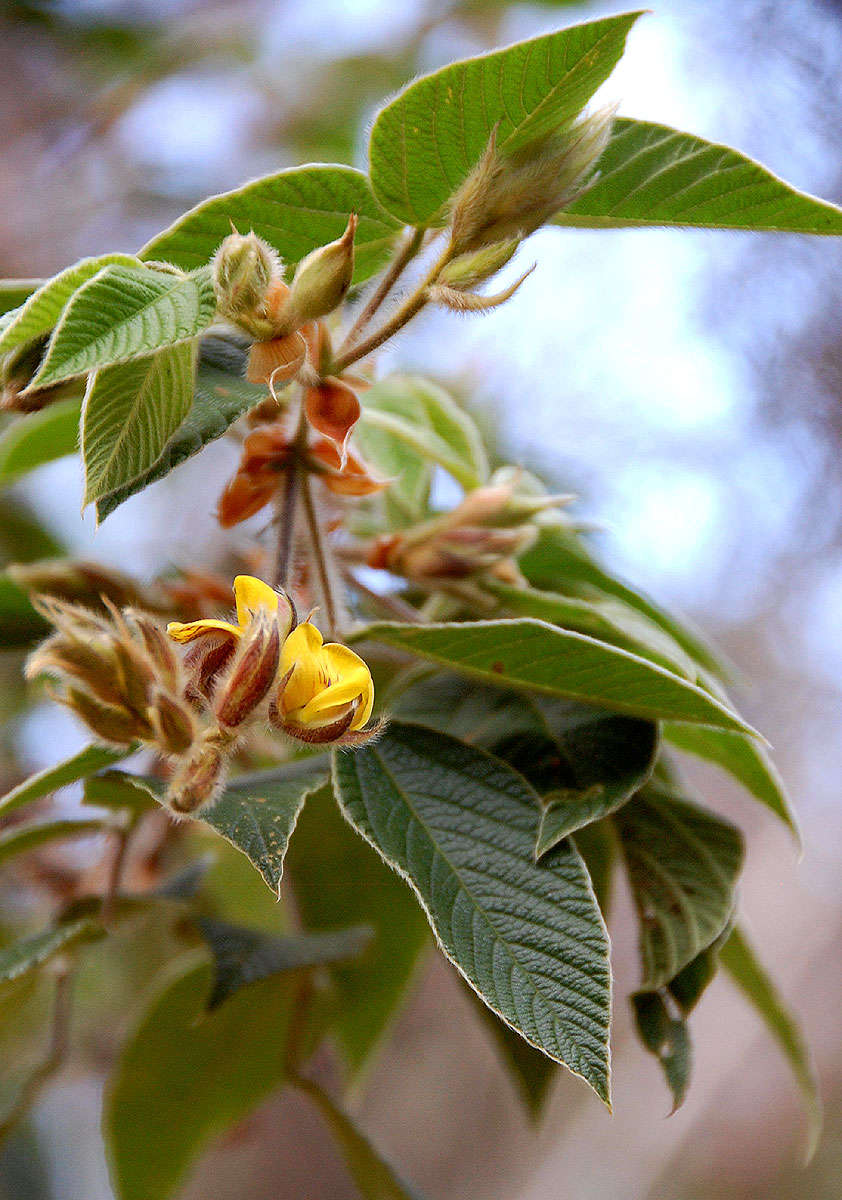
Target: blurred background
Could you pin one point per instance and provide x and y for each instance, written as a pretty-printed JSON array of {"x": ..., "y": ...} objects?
[{"x": 685, "y": 384}]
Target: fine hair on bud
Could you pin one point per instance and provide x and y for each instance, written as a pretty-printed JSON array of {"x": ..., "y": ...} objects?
[
  {"x": 321, "y": 280},
  {"x": 246, "y": 269},
  {"x": 200, "y": 778},
  {"x": 251, "y": 673}
]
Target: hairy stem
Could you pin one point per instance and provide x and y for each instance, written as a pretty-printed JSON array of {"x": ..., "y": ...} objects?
[
  {"x": 409, "y": 309},
  {"x": 286, "y": 505},
  {"x": 402, "y": 259},
  {"x": 319, "y": 553},
  {"x": 388, "y": 602}
]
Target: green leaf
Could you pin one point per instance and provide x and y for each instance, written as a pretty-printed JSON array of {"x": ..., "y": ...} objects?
[
  {"x": 583, "y": 762},
  {"x": 542, "y": 658},
  {"x": 129, "y": 415},
  {"x": 598, "y": 847},
  {"x": 428, "y": 422},
  {"x": 243, "y": 956},
  {"x": 43, "y": 307},
  {"x": 739, "y": 960},
  {"x": 608, "y": 620},
  {"x": 14, "y": 292},
  {"x": 39, "y": 438},
  {"x": 125, "y": 313},
  {"x": 32, "y": 952},
  {"x": 560, "y": 561},
  {"x": 119, "y": 791},
  {"x": 294, "y": 210},
  {"x": 23, "y": 838},
  {"x": 375, "y": 1178},
  {"x": 219, "y": 398},
  {"x": 78, "y": 766},
  {"x": 459, "y": 824},
  {"x": 185, "y": 1075},
  {"x": 654, "y": 175},
  {"x": 257, "y": 813},
  {"x": 425, "y": 143},
  {"x": 668, "y": 1038},
  {"x": 531, "y": 1071},
  {"x": 742, "y": 757},
  {"x": 337, "y": 879},
  {"x": 691, "y": 982},
  {"x": 683, "y": 864}
]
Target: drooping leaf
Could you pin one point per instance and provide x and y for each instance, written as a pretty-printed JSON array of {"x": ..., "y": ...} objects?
[
  {"x": 744, "y": 758},
  {"x": 119, "y": 791},
  {"x": 32, "y": 952},
  {"x": 560, "y": 561},
  {"x": 186, "y": 1075},
  {"x": 23, "y": 838},
  {"x": 429, "y": 422},
  {"x": 375, "y": 1178},
  {"x": 39, "y": 438},
  {"x": 609, "y": 620},
  {"x": 244, "y": 956},
  {"x": 536, "y": 656},
  {"x": 531, "y": 1072},
  {"x": 691, "y": 982},
  {"x": 257, "y": 813},
  {"x": 653, "y": 175},
  {"x": 738, "y": 958},
  {"x": 130, "y": 413},
  {"x": 668, "y": 1038},
  {"x": 426, "y": 141},
  {"x": 294, "y": 210},
  {"x": 582, "y": 761},
  {"x": 78, "y": 766},
  {"x": 126, "y": 313},
  {"x": 338, "y": 879},
  {"x": 43, "y": 307},
  {"x": 683, "y": 864},
  {"x": 459, "y": 824},
  {"x": 219, "y": 398}
]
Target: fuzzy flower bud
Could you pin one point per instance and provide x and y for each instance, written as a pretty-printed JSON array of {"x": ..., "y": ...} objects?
[
  {"x": 512, "y": 192},
  {"x": 245, "y": 268},
  {"x": 201, "y": 776},
  {"x": 470, "y": 270},
  {"x": 321, "y": 280},
  {"x": 252, "y": 672},
  {"x": 173, "y": 723}
]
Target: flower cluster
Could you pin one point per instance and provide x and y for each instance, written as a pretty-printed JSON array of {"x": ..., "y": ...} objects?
[{"x": 120, "y": 673}]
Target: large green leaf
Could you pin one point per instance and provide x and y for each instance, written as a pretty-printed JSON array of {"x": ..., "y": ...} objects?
[
  {"x": 131, "y": 411},
  {"x": 257, "y": 813},
  {"x": 245, "y": 956},
  {"x": 219, "y": 398},
  {"x": 653, "y": 175},
  {"x": 738, "y": 958},
  {"x": 665, "y": 1035},
  {"x": 337, "y": 879},
  {"x": 23, "y": 838},
  {"x": 582, "y": 761},
  {"x": 744, "y": 758},
  {"x": 608, "y": 619},
  {"x": 560, "y": 561},
  {"x": 44, "y": 306},
  {"x": 375, "y": 1178},
  {"x": 683, "y": 864},
  {"x": 428, "y": 422},
  {"x": 542, "y": 658},
  {"x": 78, "y": 766},
  {"x": 15, "y": 292},
  {"x": 459, "y": 824},
  {"x": 32, "y": 952},
  {"x": 125, "y": 313},
  {"x": 425, "y": 142},
  {"x": 185, "y": 1075},
  {"x": 42, "y": 437},
  {"x": 295, "y": 211}
]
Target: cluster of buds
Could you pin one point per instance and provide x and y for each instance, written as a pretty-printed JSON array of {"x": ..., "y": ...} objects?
[
  {"x": 520, "y": 185},
  {"x": 483, "y": 535},
  {"x": 455, "y": 285},
  {"x": 121, "y": 675}
]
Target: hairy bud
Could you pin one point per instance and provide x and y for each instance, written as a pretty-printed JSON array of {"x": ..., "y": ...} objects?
[
  {"x": 321, "y": 280},
  {"x": 470, "y": 270},
  {"x": 511, "y": 192},
  {"x": 251, "y": 674},
  {"x": 173, "y": 723},
  {"x": 113, "y": 725},
  {"x": 77, "y": 581},
  {"x": 245, "y": 268},
  {"x": 201, "y": 776}
]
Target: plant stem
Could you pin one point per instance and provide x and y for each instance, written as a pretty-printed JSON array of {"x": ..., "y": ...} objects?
[
  {"x": 286, "y": 505},
  {"x": 410, "y": 308},
  {"x": 393, "y": 605},
  {"x": 115, "y": 872},
  {"x": 404, "y": 256},
  {"x": 55, "y": 1056},
  {"x": 319, "y": 552}
]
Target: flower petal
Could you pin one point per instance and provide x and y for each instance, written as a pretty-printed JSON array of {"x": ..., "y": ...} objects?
[
  {"x": 194, "y": 629},
  {"x": 350, "y": 671},
  {"x": 252, "y": 595}
]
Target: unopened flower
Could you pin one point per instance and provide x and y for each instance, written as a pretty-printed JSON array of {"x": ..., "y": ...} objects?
[
  {"x": 252, "y": 672},
  {"x": 326, "y": 692},
  {"x": 321, "y": 280},
  {"x": 251, "y": 596}
]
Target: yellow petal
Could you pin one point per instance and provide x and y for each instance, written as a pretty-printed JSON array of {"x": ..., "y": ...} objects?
[
  {"x": 352, "y": 680},
  {"x": 251, "y": 595},
  {"x": 302, "y": 653},
  {"x": 194, "y": 629}
]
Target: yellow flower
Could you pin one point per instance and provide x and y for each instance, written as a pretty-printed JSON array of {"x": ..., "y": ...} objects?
[
  {"x": 326, "y": 683},
  {"x": 251, "y": 595}
]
